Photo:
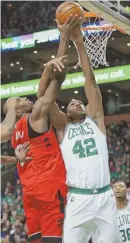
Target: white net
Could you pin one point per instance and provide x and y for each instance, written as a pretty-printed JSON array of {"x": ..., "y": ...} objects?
[{"x": 96, "y": 38}]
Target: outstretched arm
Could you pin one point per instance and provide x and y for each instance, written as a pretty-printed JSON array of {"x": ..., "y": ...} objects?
[
  {"x": 92, "y": 91},
  {"x": 7, "y": 126},
  {"x": 43, "y": 104},
  {"x": 57, "y": 117},
  {"x": 56, "y": 63},
  {"x": 20, "y": 155},
  {"x": 53, "y": 65}
]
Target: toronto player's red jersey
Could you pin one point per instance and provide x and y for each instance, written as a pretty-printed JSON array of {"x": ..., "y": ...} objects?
[{"x": 45, "y": 174}]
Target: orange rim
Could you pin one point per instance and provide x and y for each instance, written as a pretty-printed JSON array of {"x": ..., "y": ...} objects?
[
  {"x": 109, "y": 27},
  {"x": 90, "y": 15}
]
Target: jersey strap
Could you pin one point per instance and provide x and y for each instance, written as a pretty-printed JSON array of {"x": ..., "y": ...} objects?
[{"x": 89, "y": 191}]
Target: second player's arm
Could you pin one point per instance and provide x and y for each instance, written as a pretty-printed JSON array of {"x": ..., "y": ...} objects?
[
  {"x": 56, "y": 116},
  {"x": 8, "y": 160},
  {"x": 91, "y": 88},
  {"x": 7, "y": 126},
  {"x": 20, "y": 155},
  {"x": 43, "y": 104}
]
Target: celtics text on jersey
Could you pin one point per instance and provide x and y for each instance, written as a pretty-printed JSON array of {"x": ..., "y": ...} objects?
[
  {"x": 123, "y": 216},
  {"x": 85, "y": 153}
]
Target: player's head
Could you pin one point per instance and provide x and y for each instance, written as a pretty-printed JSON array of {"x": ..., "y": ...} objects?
[
  {"x": 120, "y": 190},
  {"x": 21, "y": 105},
  {"x": 75, "y": 110}
]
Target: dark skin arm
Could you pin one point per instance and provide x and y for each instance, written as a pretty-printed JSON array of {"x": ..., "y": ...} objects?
[
  {"x": 58, "y": 118},
  {"x": 39, "y": 116},
  {"x": 94, "y": 108},
  {"x": 53, "y": 65},
  {"x": 7, "y": 126},
  {"x": 20, "y": 153},
  {"x": 62, "y": 50},
  {"x": 8, "y": 160}
]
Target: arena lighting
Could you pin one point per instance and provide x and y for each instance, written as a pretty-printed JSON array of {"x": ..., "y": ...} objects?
[
  {"x": 117, "y": 95},
  {"x": 53, "y": 56},
  {"x": 128, "y": 44},
  {"x": 69, "y": 46},
  {"x": 75, "y": 67},
  {"x": 113, "y": 38},
  {"x": 17, "y": 63},
  {"x": 11, "y": 64},
  {"x": 76, "y": 91},
  {"x": 62, "y": 106},
  {"x": 109, "y": 90},
  {"x": 21, "y": 68},
  {"x": 35, "y": 52},
  {"x": 44, "y": 64}
]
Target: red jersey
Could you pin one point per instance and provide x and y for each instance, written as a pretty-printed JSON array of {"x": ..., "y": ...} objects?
[{"x": 45, "y": 174}]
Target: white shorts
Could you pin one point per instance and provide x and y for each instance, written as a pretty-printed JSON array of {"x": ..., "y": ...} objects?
[{"x": 89, "y": 216}]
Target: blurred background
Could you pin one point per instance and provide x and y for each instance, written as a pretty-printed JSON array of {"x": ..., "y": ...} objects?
[{"x": 29, "y": 40}]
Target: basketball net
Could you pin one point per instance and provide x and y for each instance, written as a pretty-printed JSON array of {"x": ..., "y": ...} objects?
[{"x": 96, "y": 38}]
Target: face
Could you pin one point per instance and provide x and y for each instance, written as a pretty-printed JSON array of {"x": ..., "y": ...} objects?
[
  {"x": 120, "y": 190},
  {"x": 76, "y": 109},
  {"x": 24, "y": 104}
]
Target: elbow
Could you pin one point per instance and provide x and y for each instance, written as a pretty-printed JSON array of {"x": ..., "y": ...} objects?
[{"x": 5, "y": 137}]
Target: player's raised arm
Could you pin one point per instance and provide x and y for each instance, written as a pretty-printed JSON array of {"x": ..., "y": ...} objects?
[
  {"x": 7, "y": 126},
  {"x": 57, "y": 64},
  {"x": 94, "y": 108},
  {"x": 43, "y": 104},
  {"x": 53, "y": 65},
  {"x": 58, "y": 118}
]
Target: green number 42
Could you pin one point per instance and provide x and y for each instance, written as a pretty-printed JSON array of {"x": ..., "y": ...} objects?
[{"x": 87, "y": 149}]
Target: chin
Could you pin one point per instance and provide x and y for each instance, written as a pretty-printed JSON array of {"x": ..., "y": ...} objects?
[{"x": 81, "y": 114}]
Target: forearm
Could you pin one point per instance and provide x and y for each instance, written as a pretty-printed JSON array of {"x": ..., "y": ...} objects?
[
  {"x": 46, "y": 76},
  {"x": 91, "y": 88},
  {"x": 62, "y": 50},
  {"x": 51, "y": 93},
  {"x": 8, "y": 160},
  {"x": 63, "y": 46},
  {"x": 44, "y": 81},
  {"x": 7, "y": 126},
  {"x": 85, "y": 63}
]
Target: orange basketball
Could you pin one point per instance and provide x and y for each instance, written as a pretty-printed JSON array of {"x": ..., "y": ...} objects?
[{"x": 66, "y": 9}]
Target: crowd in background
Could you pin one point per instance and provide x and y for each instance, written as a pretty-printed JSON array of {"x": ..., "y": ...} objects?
[
  {"x": 118, "y": 136},
  {"x": 13, "y": 227},
  {"x": 23, "y": 17}
]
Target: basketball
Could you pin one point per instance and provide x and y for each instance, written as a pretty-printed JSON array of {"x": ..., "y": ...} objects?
[{"x": 66, "y": 9}]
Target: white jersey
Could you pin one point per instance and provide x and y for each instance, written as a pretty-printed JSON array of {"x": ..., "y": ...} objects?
[
  {"x": 85, "y": 153},
  {"x": 124, "y": 223}
]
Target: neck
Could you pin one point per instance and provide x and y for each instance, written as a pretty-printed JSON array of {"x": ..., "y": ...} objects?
[
  {"x": 121, "y": 202},
  {"x": 78, "y": 119}
]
